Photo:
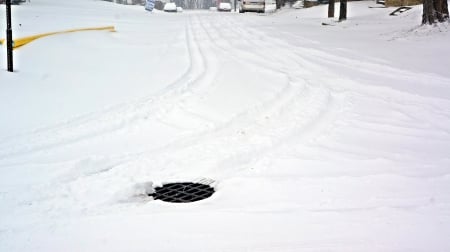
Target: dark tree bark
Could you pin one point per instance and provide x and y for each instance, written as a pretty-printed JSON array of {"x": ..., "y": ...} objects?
[
  {"x": 278, "y": 3},
  {"x": 442, "y": 9},
  {"x": 437, "y": 4},
  {"x": 428, "y": 16},
  {"x": 434, "y": 11},
  {"x": 445, "y": 6},
  {"x": 331, "y": 8},
  {"x": 343, "y": 10}
]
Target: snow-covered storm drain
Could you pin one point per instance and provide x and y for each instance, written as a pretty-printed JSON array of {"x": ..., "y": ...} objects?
[{"x": 183, "y": 192}]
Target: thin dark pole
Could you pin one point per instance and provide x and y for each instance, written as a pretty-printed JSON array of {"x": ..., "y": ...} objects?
[
  {"x": 9, "y": 41},
  {"x": 234, "y": 5}
]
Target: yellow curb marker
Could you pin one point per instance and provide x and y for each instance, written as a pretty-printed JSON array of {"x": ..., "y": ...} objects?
[{"x": 23, "y": 41}]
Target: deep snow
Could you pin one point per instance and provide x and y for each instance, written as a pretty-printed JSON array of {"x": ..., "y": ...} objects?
[{"x": 318, "y": 138}]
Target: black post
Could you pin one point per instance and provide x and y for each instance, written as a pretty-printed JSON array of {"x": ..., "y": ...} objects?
[
  {"x": 9, "y": 41},
  {"x": 234, "y": 5}
]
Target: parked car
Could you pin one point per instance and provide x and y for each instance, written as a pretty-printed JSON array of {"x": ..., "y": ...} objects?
[
  {"x": 298, "y": 4},
  {"x": 252, "y": 5},
  {"x": 170, "y": 7},
  {"x": 224, "y": 6}
]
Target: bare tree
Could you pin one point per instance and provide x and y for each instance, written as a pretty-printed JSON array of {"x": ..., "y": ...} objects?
[
  {"x": 343, "y": 10},
  {"x": 434, "y": 11},
  {"x": 279, "y": 3},
  {"x": 331, "y": 8}
]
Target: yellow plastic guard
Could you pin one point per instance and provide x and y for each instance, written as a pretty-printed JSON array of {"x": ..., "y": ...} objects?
[{"x": 23, "y": 41}]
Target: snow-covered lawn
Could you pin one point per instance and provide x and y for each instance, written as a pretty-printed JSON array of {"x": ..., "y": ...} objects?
[{"x": 318, "y": 138}]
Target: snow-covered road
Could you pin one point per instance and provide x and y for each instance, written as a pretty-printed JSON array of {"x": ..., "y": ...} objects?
[{"x": 316, "y": 138}]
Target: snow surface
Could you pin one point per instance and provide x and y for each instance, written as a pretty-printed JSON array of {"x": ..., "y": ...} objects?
[{"x": 318, "y": 138}]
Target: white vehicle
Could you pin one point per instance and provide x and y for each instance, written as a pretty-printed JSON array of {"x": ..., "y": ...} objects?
[
  {"x": 270, "y": 6},
  {"x": 170, "y": 7},
  {"x": 224, "y": 6},
  {"x": 252, "y": 5},
  {"x": 298, "y": 4}
]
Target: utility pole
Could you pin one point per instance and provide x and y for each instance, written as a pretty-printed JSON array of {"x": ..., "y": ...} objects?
[{"x": 9, "y": 41}]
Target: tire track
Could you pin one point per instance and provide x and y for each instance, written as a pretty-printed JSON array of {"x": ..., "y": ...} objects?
[
  {"x": 402, "y": 95},
  {"x": 117, "y": 117},
  {"x": 298, "y": 108}
]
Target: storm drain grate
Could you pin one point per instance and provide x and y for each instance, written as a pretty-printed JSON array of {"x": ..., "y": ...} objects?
[{"x": 182, "y": 192}]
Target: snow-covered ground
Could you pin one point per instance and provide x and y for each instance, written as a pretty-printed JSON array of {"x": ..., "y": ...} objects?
[{"x": 318, "y": 138}]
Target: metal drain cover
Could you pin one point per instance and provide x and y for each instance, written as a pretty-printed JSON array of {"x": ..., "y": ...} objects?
[{"x": 182, "y": 192}]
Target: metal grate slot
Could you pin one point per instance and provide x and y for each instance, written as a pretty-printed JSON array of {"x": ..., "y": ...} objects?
[{"x": 182, "y": 192}]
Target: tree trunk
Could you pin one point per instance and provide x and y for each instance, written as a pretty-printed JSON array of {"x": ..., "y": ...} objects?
[
  {"x": 428, "y": 12},
  {"x": 441, "y": 7},
  {"x": 331, "y": 8},
  {"x": 343, "y": 10},
  {"x": 445, "y": 11},
  {"x": 278, "y": 3},
  {"x": 434, "y": 11},
  {"x": 438, "y": 7}
]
